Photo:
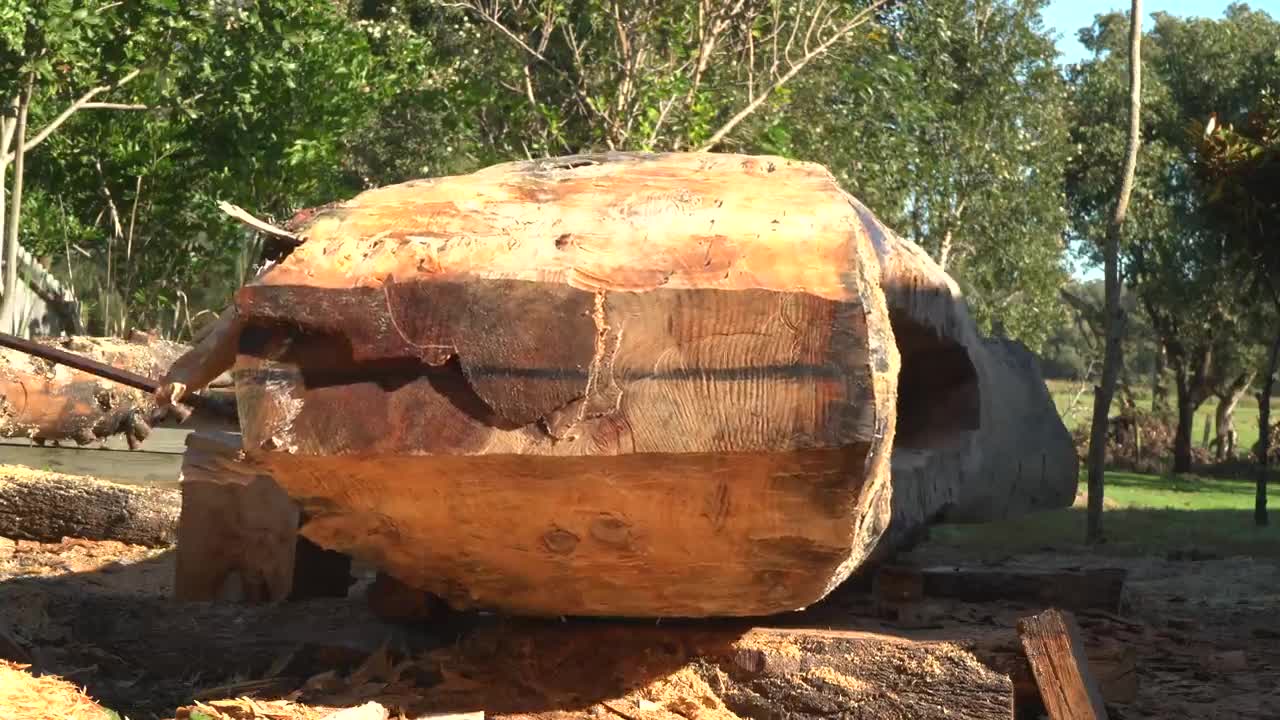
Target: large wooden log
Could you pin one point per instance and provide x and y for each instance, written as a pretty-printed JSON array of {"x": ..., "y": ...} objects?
[{"x": 630, "y": 385}]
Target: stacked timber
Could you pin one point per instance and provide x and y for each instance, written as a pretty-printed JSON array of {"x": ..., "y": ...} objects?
[
  {"x": 642, "y": 385},
  {"x": 50, "y": 402}
]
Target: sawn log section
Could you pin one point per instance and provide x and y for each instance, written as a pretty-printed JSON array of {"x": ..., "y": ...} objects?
[{"x": 629, "y": 385}]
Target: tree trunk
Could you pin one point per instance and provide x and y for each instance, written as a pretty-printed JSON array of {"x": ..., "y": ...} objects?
[
  {"x": 46, "y": 507},
  {"x": 1182, "y": 438},
  {"x": 48, "y": 402},
  {"x": 1159, "y": 391},
  {"x": 1113, "y": 356},
  {"x": 1264, "y": 434},
  {"x": 1224, "y": 415},
  {"x": 10, "y": 232}
]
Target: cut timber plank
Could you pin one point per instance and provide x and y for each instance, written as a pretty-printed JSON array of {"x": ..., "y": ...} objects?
[
  {"x": 1112, "y": 663},
  {"x": 1061, "y": 667},
  {"x": 238, "y": 534},
  {"x": 47, "y": 506},
  {"x": 1075, "y": 590}
]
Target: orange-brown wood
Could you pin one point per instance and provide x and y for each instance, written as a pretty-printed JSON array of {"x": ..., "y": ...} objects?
[
  {"x": 628, "y": 384},
  {"x": 45, "y": 401},
  {"x": 627, "y": 387},
  {"x": 238, "y": 532}
]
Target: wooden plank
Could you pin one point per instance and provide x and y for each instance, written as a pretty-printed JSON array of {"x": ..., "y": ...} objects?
[
  {"x": 1112, "y": 663},
  {"x": 1060, "y": 666},
  {"x": 161, "y": 441},
  {"x": 1075, "y": 590},
  {"x": 158, "y": 470}
]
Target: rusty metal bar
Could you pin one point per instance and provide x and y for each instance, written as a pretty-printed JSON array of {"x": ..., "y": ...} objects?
[{"x": 105, "y": 371}]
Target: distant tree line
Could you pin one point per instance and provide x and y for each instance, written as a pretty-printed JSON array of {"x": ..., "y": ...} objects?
[{"x": 123, "y": 124}]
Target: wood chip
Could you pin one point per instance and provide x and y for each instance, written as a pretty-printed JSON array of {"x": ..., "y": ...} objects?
[
  {"x": 368, "y": 711},
  {"x": 1057, "y": 656}
]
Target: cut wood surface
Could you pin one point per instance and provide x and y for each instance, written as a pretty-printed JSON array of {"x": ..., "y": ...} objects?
[
  {"x": 1061, "y": 667},
  {"x": 593, "y": 670},
  {"x": 643, "y": 385},
  {"x": 46, "y": 507},
  {"x": 671, "y": 673},
  {"x": 542, "y": 386},
  {"x": 238, "y": 529}
]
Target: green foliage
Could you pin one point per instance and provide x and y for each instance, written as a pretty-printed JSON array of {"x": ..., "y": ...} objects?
[
  {"x": 1173, "y": 253},
  {"x": 955, "y": 133},
  {"x": 1239, "y": 173},
  {"x": 252, "y": 103},
  {"x": 947, "y": 118}
]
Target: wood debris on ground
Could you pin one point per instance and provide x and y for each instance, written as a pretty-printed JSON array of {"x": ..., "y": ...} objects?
[
  {"x": 25, "y": 696},
  {"x": 1174, "y": 651}
]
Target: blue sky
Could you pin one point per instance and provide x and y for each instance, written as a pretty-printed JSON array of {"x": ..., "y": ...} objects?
[{"x": 1065, "y": 17}]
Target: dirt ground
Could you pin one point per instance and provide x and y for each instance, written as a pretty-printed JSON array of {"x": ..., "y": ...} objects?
[{"x": 1205, "y": 632}]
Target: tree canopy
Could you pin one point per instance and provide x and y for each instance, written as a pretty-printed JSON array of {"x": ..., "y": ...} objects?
[{"x": 1175, "y": 256}]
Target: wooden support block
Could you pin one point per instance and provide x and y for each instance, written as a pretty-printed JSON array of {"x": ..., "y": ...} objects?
[
  {"x": 1075, "y": 590},
  {"x": 895, "y": 584},
  {"x": 395, "y": 601},
  {"x": 1059, "y": 663},
  {"x": 238, "y": 532}
]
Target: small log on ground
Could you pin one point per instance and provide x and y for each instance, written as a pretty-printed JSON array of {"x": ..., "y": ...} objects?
[
  {"x": 46, "y": 507},
  {"x": 537, "y": 387},
  {"x": 599, "y": 670},
  {"x": 1075, "y": 589},
  {"x": 1060, "y": 666},
  {"x": 238, "y": 533}
]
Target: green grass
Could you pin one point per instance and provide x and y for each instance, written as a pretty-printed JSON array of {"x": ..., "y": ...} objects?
[
  {"x": 1246, "y": 417},
  {"x": 1146, "y": 514}
]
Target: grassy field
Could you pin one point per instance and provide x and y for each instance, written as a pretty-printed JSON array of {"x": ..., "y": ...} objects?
[
  {"x": 1144, "y": 514},
  {"x": 1064, "y": 392}
]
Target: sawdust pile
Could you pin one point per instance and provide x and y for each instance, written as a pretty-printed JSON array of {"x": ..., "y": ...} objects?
[
  {"x": 24, "y": 696},
  {"x": 250, "y": 709}
]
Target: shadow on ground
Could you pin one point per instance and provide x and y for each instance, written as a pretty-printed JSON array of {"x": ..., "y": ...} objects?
[{"x": 114, "y": 630}]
